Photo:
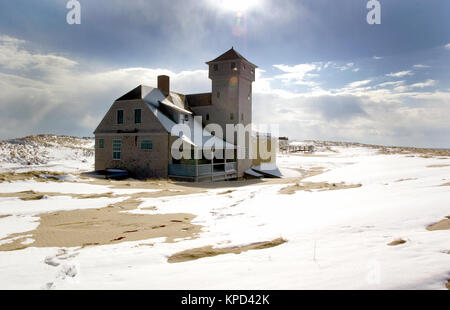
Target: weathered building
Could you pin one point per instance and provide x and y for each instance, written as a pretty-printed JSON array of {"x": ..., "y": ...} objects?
[{"x": 136, "y": 133}]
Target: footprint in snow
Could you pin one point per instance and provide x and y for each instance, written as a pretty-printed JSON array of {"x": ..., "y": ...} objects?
[
  {"x": 48, "y": 286},
  {"x": 62, "y": 254},
  {"x": 49, "y": 260},
  {"x": 67, "y": 271}
]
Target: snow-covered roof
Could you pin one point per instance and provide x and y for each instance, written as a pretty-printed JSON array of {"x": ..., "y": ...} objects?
[
  {"x": 166, "y": 122},
  {"x": 275, "y": 171},
  {"x": 156, "y": 97},
  {"x": 207, "y": 141},
  {"x": 253, "y": 173}
]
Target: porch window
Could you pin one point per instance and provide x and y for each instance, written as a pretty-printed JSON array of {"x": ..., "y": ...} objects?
[
  {"x": 137, "y": 116},
  {"x": 146, "y": 145},
  {"x": 119, "y": 116},
  {"x": 117, "y": 149}
]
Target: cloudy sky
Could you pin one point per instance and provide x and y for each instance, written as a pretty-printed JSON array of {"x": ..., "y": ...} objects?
[{"x": 324, "y": 73}]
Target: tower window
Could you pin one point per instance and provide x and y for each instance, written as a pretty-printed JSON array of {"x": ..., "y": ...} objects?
[
  {"x": 207, "y": 117},
  {"x": 216, "y": 67},
  {"x": 231, "y": 116},
  {"x": 119, "y": 116}
]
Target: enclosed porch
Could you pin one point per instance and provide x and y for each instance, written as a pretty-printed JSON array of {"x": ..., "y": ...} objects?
[{"x": 197, "y": 170}]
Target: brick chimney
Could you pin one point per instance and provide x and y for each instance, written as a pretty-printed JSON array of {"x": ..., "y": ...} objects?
[{"x": 164, "y": 84}]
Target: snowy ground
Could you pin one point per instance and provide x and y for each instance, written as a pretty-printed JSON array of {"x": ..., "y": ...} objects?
[
  {"x": 47, "y": 153},
  {"x": 336, "y": 239}
]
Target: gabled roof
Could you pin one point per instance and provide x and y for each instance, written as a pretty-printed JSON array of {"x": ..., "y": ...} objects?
[
  {"x": 231, "y": 54},
  {"x": 132, "y": 94},
  {"x": 156, "y": 100}
]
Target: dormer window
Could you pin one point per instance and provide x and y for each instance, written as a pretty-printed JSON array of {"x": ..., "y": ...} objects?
[{"x": 216, "y": 67}]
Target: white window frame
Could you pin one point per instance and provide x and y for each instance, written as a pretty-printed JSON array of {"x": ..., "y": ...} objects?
[
  {"x": 115, "y": 151},
  {"x": 151, "y": 143}
]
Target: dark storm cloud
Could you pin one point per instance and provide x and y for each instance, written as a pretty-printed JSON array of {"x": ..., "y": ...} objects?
[{"x": 179, "y": 33}]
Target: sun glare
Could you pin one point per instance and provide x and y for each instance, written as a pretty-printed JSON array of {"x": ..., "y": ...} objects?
[{"x": 239, "y": 6}]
